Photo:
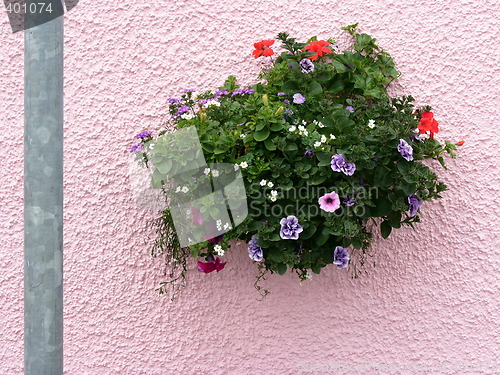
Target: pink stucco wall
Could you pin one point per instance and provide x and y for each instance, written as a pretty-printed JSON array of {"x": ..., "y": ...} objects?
[{"x": 433, "y": 299}]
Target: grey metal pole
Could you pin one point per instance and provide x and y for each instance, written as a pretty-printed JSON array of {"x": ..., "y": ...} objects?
[{"x": 43, "y": 199}]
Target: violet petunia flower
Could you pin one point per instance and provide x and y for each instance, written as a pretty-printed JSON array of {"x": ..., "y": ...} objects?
[
  {"x": 298, "y": 98},
  {"x": 289, "y": 112},
  {"x": 309, "y": 153},
  {"x": 290, "y": 228},
  {"x": 339, "y": 164},
  {"x": 349, "y": 201},
  {"x": 306, "y": 66},
  {"x": 341, "y": 257},
  {"x": 350, "y": 108},
  {"x": 405, "y": 150},
  {"x": 281, "y": 94},
  {"x": 255, "y": 251},
  {"x": 329, "y": 202},
  {"x": 414, "y": 204}
]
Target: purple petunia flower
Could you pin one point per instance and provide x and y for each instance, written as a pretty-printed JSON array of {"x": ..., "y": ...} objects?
[
  {"x": 298, "y": 98},
  {"x": 281, "y": 94},
  {"x": 349, "y": 201},
  {"x": 341, "y": 257},
  {"x": 350, "y": 109},
  {"x": 288, "y": 111},
  {"x": 137, "y": 148},
  {"x": 307, "y": 66},
  {"x": 405, "y": 150},
  {"x": 415, "y": 203},
  {"x": 255, "y": 251},
  {"x": 309, "y": 153},
  {"x": 290, "y": 228},
  {"x": 143, "y": 135},
  {"x": 339, "y": 164},
  {"x": 286, "y": 101}
]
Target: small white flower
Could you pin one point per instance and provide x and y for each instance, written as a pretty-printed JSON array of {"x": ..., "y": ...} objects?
[
  {"x": 301, "y": 128},
  {"x": 305, "y": 132},
  {"x": 206, "y": 171},
  {"x": 292, "y": 128},
  {"x": 215, "y": 173},
  {"x": 304, "y": 122},
  {"x": 243, "y": 135},
  {"x": 227, "y": 226},
  {"x": 307, "y": 276},
  {"x": 273, "y": 198},
  {"x": 274, "y": 193},
  {"x": 332, "y": 136},
  {"x": 151, "y": 146},
  {"x": 244, "y": 164},
  {"x": 317, "y": 144},
  {"x": 371, "y": 124},
  {"x": 178, "y": 189},
  {"x": 185, "y": 189},
  {"x": 236, "y": 167},
  {"x": 187, "y": 116},
  {"x": 270, "y": 184},
  {"x": 218, "y": 222},
  {"x": 320, "y": 124},
  {"x": 218, "y": 250},
  {"x": 323, "y": 138},
  {"x": 263, "y": 182}
]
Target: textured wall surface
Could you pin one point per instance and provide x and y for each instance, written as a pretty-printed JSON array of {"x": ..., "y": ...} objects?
[{"x": 433, "y": 299}]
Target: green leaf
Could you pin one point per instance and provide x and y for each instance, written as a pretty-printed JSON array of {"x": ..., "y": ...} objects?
[
  {"x": 385, "y": 229},
  {"x": 262, "y": 135},
  {"x": 315, "y": 88},
  {"x": 270, "y": 145},
  {"x": 290, "y": 87},
  {"x": 316, "y": 268},
  {"x": 281, "y": 268}
]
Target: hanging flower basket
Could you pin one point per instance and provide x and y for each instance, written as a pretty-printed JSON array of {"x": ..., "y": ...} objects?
[{"x": 324, "y": 153}]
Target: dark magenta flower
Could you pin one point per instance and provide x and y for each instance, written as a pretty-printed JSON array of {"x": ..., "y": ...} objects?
[{"x": 211, "y": 265}]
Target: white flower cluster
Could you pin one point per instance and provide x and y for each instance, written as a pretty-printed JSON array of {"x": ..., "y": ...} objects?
[
  {"x": 318, "y": 124},
  {"x": 301, "y": 129},
  {"x": 273, "y": 196},
  {"x": 187, "y": 116},
  {"x": 266, "y": 183},
  {"x": 184, "y": 189},
  {"x": 211, "y": 103},
  {"x": 214, "y": 172},
  {"x": 219, "y": 251}
]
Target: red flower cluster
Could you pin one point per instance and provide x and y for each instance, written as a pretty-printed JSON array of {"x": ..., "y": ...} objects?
[
  {"x": 427, "y": 123},
  {"x": 320, "y": 47},
  {"x": 262, "y": 48}
]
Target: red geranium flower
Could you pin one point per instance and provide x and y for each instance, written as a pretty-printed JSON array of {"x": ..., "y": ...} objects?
[
  {"x": 262, "y": 48},
  {"x": 320, "y": 47},
  {"x": 212, "y": 265},
  {"x": 427, "y": 123}
]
